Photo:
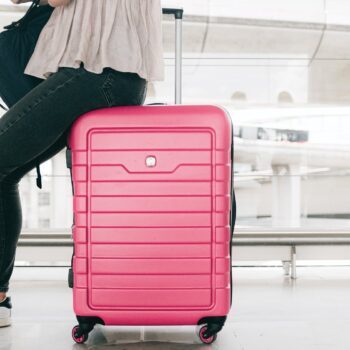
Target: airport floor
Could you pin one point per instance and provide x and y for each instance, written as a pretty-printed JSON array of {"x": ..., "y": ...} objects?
[{"x": 269, "y": 312}]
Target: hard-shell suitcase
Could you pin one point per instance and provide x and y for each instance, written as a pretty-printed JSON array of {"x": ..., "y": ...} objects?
[{"x": 154, "y": 212}]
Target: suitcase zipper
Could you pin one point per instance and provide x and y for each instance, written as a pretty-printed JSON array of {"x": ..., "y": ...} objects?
[
  {"x": 69, "y": 166},
  {"x": 233, "y": 211}
]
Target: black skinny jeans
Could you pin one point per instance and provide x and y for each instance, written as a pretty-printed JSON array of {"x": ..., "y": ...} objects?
[{"x": 36, "y": 128}]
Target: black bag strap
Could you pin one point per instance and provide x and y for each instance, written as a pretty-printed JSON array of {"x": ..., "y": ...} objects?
[{"x": 38, "y": 178}]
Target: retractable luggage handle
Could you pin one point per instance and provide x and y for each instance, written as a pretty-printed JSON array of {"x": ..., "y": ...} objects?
[{"x": 178, "y": 14}]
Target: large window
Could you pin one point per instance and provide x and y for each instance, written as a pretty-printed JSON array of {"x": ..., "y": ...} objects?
[{"x": 282, "y": 70}]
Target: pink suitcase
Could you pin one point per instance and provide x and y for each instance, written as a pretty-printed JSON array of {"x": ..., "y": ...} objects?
[{"x": 153, "y": 217}]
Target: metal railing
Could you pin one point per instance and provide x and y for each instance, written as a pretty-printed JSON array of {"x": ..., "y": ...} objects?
[
  {"x": 266, "y": 241},
  {"x": 292, "y": 240}
]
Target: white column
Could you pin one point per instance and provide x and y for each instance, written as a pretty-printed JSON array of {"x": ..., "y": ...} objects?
[
  {"x": 24, "y": 191},
  {"x": 286, "y": 195}
]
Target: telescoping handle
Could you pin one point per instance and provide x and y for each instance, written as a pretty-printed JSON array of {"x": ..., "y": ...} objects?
[{"x": 178, "y": 14}]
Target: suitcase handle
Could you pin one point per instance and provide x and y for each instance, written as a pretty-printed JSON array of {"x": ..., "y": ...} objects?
[{"x": 178, "y": 13}]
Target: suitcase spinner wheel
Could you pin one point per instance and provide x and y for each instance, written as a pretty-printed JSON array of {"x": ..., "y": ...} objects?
[
  {"x": 80, "y": 332},
  {"x": 203, "y": 338},
  {"x": 78, "y": 337}
]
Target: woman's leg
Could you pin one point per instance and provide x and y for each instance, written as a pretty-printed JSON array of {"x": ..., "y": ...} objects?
[
  {"x": 38, "y": 123},
  {"x": 11, "y": 213}
]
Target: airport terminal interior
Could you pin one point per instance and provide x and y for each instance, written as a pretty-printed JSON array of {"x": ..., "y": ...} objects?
[{"x": 281, "y": 69}]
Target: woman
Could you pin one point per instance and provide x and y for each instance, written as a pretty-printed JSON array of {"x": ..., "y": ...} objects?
[{"x": 91, "y": 54}]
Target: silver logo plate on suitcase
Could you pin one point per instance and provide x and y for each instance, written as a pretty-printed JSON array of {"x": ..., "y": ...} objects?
[{"x": 151, "y": 161}]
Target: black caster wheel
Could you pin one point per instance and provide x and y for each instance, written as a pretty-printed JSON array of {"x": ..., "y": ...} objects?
[
  {"x": 205, "y": 340},
  {"x": 79, "y": 339}
]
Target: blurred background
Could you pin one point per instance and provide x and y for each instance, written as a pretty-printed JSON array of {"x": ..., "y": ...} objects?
[{"x": 281, "y": 68}]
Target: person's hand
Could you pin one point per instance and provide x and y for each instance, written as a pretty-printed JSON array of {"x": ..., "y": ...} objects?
[
  {"x": 56, "y": 3},
  {"x": 53, "y": 3},
  {"x": 20, "y": 1},
  {"x": 42, "y": 2}
]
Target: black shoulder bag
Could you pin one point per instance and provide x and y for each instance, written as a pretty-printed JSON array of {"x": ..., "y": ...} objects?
[{"x": 17, "y": 44}]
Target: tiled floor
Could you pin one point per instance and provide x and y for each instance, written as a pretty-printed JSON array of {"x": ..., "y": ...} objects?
[{"x": 269, "y": 312}]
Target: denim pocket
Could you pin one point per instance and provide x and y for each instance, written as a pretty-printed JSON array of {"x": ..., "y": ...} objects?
[{"x": 123, "y": 88}]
